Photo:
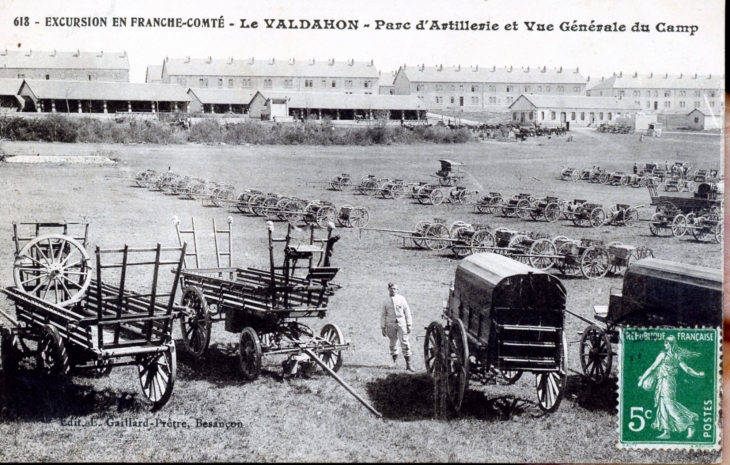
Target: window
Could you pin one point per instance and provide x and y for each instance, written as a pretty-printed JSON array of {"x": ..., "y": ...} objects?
[
  {"x": 582, "y": 116},
  {"x": 648, "y": 104},
  {"x": 600, "y": 93},
  {"x": 682, "y": 93},
  {"x": 492, "y": 88},
  {"x": 527, "y": 88},
  {"x": 288, "y": 82},
  {"x": 475, "y": 100},
  {"x": 461, "y": 88},
  {"x": 420, "y": 87},
  {"x": 648, "y": 93},
  {"x": 247, "y": 82},
  {"x": 334, "y": 83},
  {"x": 510, "y": 100},
  {"x": 202, "y": 82},
  {"x": 368, "y": 84},
  {"x": 697, "y": 104},
  {"x": 600, "y": 116},
  {"x": 667, "y": 93},
  {"x": 474, "y": 88},
  {"x": 89, "y": 75},
  {"x": 493, "y": 100},
  {"x": 439, "y": 87},
  {"x": 576, "y": 89},
  {"x": 712, "y": 94},
  {"x": 182, "y": 81},
  {"x": 453, "y": 87},
  {"x": 621, "y": 94},
  {"x": 667, "y": 104},
  {"x": 682, "y": 105},
  {"x": 552, "y": 115},
  {"x": 697, "y": 119},
  {"x": 712, "y": 104},
  {"x": 21, "y": 76},
  {"x": 542, "y": 115},
  {"x": 308, "y": 83},
  {"x": 452, "y": 99},
  {"x": 230, "y": 83},
  {"x": 572, "y": 116},
  {"x": 561, "y": 89},
  {"x": 267, "y": 83},
  {"x": 547, "y": 88},
  {"x": 509, "y": 89},
  {"x": 324, "y": 82},
  {"x": 610, "y": 116},
  {"x": 539, "y": 88},
  {"x": 439, "y": 99},
  {"x": 220, "y": 82}
]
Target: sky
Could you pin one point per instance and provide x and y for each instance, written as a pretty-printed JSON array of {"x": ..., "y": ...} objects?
[{"x": 596, "y": 54}]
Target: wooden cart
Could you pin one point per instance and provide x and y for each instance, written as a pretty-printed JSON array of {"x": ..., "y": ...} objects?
[
  {"x": 502, "y": 318},
  {"x": 70, "y": 318}
]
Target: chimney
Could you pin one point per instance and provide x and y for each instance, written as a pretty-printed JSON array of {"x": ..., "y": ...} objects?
[
  {"x": 78, "y": 53},
  {"x": 311, "y": 63},
  {"x": 101, "y": 54},
  {"x": 380, "y": 73},
  {"x": 680, "y": 75},
  {"x": 651, "y": 75},
  {"x": 30, "y": 52},
  {"x": 422, "y": 67},
  {"x": 510, "y": 68},
  {"x": 187, "y": 59},
  {"x": 273, "y": 61},
  {"x": 666, "y": 76},
  {"x": 577, "y": 70},
  {"x": 544, "y": 69},
  {"x": 560, "y": 70},
  {"x": 351, "y": 62},
  {"x": 125, "y": 54},
  {"x": 440, "y": 67},
  {"x": 601, "y": 78},
  {"x": 331, "y": 62},
  {"x": 709, "y": 77},
  {"x": 210, "y": 60},
  {"x": 230, "y": 61},
  {"x": 166, "y": 59},
  {"x": 621, "y": 74},
  {"x": 636, "y": 74},
  {"x": 372, "y": 62},
  {"x": 695, "y": 76},
  {"x": 528, "y": 69},
  {"x": 458, "y": 67},
  {"x": 494, "y": 68},
  {"x": 250, "y": 61},
  {"x": 589, "y": 79},
  {"x": 293, "y": 61},
  {"x": 476, "y": 68}
]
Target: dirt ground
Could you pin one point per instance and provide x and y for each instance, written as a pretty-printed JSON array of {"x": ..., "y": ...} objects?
[{"x": 315, "y": 419}]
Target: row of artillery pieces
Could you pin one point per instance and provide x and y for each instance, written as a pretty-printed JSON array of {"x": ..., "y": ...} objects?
[
  {"x": 272, "y": 206},
  {"x": 590, "y": 258},
  {"x": 679, "y": 178}
]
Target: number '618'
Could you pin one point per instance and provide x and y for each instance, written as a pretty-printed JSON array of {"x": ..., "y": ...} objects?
[{"x": 21, "y": 21}]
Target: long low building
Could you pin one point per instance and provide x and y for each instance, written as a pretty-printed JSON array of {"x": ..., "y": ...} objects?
[
  {"x": 220, "y": 100},
  {"x": 570, "y": 110},
  {"x": 102, "y": 97},
  {"x": 299, "y": 105}
]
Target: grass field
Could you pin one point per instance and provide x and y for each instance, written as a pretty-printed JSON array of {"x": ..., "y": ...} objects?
[{"x": 315, "y": 419}]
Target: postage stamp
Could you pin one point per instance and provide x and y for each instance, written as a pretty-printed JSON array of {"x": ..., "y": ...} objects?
[{"x": 669, "y": 389}]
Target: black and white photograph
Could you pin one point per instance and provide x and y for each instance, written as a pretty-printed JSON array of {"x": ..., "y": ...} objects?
[{"x": 417, "y": 231}]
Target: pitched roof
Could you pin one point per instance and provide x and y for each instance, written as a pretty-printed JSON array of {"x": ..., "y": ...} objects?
[
  {"x": 387, "y": 79},
  {"x": 276, "y": 68},
  {"x": 325, "y": 100},
  {"x": 578, "y": 102},
  {"x": 154, "y": 73},
  {"x": 493, "y": 75},
  {"x": 63, "y": 60},
  {"x": 95, "y": 90},
  {"x": 10, "y": 86},
  {"x": 661, "y": 81},
  {"x": 707, "y": 111},
  {"x": 223, "y": 96}
]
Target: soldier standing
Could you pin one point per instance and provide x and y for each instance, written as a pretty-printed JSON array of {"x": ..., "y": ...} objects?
[{"x": 395, "y": 323}]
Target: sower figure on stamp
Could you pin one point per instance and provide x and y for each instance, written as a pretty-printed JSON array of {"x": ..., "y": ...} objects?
[
  {"x": 395, "y": 322},
  {"x": 661, "y": 376}
]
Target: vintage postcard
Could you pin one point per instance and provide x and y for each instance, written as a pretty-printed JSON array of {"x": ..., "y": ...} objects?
[{"x": 476, "y": 230}]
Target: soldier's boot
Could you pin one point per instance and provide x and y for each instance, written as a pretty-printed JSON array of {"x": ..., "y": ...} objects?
[
  {"x": 395, "y": 360},
  {"x": 409, "y": 367}
]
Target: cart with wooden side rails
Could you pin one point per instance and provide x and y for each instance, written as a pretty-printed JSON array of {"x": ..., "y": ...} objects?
[
  {"x": 488, "y": 203},
  {"x": 427, "y": 194},
  {"x": 72, "y": 315},
  {"x": 519, "y": 205},
  {"x": 265, "y": 306},
  {"x": 341, "y": 182},
  {"x": 502, "y": 319},
  {"x": 427, "y": 234},
  {"x": 654, "y": 293},
  {"x": 622, "y": 215},
  {"x": 392, "y": 189},
  {"x": 461, "y": 195},
  {"x": 450, "y": 173},
  {"x": 677, "y": 215},
  {"x": 570, "y": 174},
  {"x": 583, "y": 213}
]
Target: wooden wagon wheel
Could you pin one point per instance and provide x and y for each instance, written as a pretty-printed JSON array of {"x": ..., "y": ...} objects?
[
  {"x": 435, "y": 337},
  {"x": 466, "y": 196},
  {"x": 457, "y": 364},
  {"x": 256, "y": 205},
  {"x": 419, "y": 234},
  {"x": 456, "y": 226},
  {"x": 53, "y": 267},
  {"x": 595, "y": 354},
  {"x": 569, "y": 264},
  {"x": 604, "y": 177},
  {"x": 157, "y": 374},
  {"x": 598, "y": 217},
  {"x": 482, "y": 240},
  {"x": 359, "y": 217},
  {"x": 325, "y": 215},
  {"x": 494, "y": 203},
  {"x": 581, "y": 218},
  {"x": 623, "y": 180},
  {"x": 551, "y": 385},
  {"x": 268, "y": 208},
  {"x": 436, "y": 197},
  {"x": 249, "y": 353},
  {"x": 631, "y": 217},
  {"x": 541, "y": 254},
  {"x": 521, "y": 243},
  {"x": 552, "y": 212},
  {"x": 332, "y": 336},
  {"x": 398, "y": 191},
  {"x": 434, "y": 237},
  {"x": 523, "y": 209},
  {"x": 656, "y": 226},
  {"x": 701, "y": 230},
  {"x": 53, "y": 353},
  {"x": 679, "y": 226},
  {"x": 343, "y": 215},
  {"x": 195, "y": 322},
  {"x": 510, "y": 376},
  {"x": 575, "y": 175},
  {"x": 595, "y": 262},
  {"x": 638, "y": 254},
  {"x": 718, "y": 232}
]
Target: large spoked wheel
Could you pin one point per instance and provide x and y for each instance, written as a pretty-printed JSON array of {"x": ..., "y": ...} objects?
[
  {"x": 718, "y": 233},
  {"x": 54, "y": 268},
  {"x": 52, "y": 351},
  {"x": 569, "y": 264},
  {"x": 551, "y": 385},
  {"x": 699, "y": 233},
  {"x": 510, "y": 376},
  {"x": 598, "y": 217},
  {"x": 436, "y": 197},
  {"x": 437, "y": 236},
  {"x": 631, "y": 217},
  {"x": 195, "y": 322},
  {"x": 542, "y": 253},
  {"x": 482, "y": 241},
  {"x": 325, "y": 215},
  {"x": 457, "y": 364},
  {"x": 157, "y": 373},
  {"x": 521, "y": 245},
  {"x": 575, "y": 175},
  {"x": 658, "y": 227},
  {"x": 552, "y": 212},
  {"x": 679, "y": 226},
  {"x": 333, "y": 337},
  {"x": 523, "y": 209},
  {"x": 249, "y": 353},
  {"x": 435, "y": 337},
  {"x": 595, "y": 354},
  {"x": 594, "y": 262},
  {"x": 494, "y": 204}
]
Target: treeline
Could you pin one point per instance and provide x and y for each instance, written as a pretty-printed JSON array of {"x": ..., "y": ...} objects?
[{"x": 57, "y": 128}]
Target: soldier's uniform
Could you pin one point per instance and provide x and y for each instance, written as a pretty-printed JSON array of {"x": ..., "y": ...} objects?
[{"x": 396, "y": 322}]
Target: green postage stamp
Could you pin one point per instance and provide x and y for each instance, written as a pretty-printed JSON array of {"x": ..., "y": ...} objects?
[{"x": 669, "y": 381}]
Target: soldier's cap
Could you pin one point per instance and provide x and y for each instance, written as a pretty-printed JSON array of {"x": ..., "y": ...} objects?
[{"x": 392, "y": 285}]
